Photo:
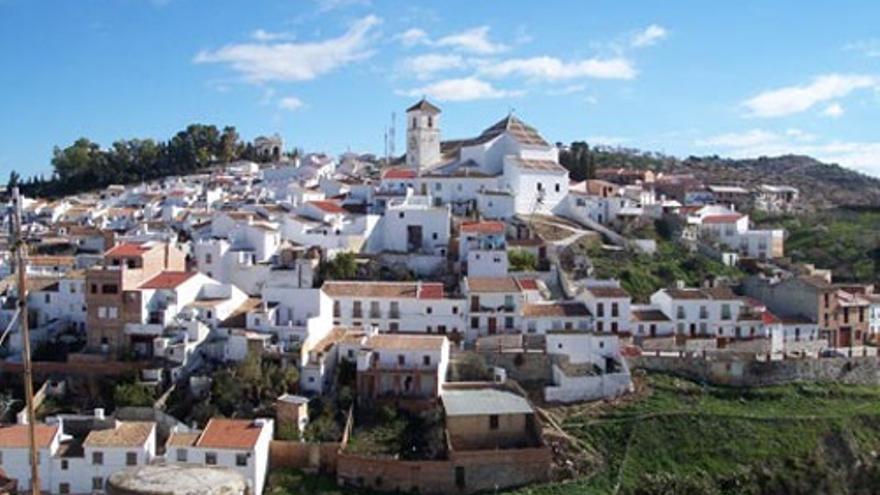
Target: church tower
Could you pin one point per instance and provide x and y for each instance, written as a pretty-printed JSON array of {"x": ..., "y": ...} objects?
[{"x": 422, "y": 135}]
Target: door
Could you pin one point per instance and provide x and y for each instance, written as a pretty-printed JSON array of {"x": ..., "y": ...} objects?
[
  {"x": 493, "y": 325},
  {"x": 413, "y": 238},
  {"x": 844, "y": 337}
]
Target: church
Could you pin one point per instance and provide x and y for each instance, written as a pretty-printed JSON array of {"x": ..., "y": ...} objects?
[{"x": 508, "y": 169}]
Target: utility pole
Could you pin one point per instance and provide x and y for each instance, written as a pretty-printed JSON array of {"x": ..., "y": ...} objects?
[{"x": 20, "y": 247}]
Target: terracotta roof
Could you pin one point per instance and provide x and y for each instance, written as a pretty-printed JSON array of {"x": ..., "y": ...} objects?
[
  {"x": 167, "y": 280},
  {"x": 717, "y": 293},
  {"x": 51, "y": 260},
  {"x": 178, "y": 439},
  {"x": 428, "y": 290},
  {"x": 127, "y": 249},
  {"x": 540, "y": 165},
  {"x": 327, "y": 206},
  {"x": 715, "y": 219},
  {"x": 126, "y": 434},
  {"x": 399, "y": 173},
  {"x": 16, "y": 436},
  {"x": 517, "y": 129},
  {"x": 425, "y": 106},
  {"x": 608, "y": 292},
  {"x": 493, "y": 284},
  {"x": 239, "y": 434},
  {"x": 483, "y": 227},
  {"x": 406, "y": 342},
  {"x": 528, "y": 284},
  {"x": 648, "y": 315},
  {"x": 560, "y": 309}
]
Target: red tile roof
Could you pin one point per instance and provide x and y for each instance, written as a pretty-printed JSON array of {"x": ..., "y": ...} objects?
[
  {"x": 400, "y": 290},
  {"x": 127, "y": 249},
  {"x": 722, "y": 218},
  {"x": 239, "y": 434},
  {"x": 327, "y": 206},
  {"x": 528, "y": 284},
  {"x": 16, "y": 436},
  {"x": 483, "y": 227},
  {"x": 167, "y": 280},
  {"x": 430, "y": 291},
  {"x": 399, "y": 173}
]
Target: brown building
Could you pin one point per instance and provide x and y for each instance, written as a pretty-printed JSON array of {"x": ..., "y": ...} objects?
[
  {"x": 841, "y": 311},
  {"x": 112, "y": 295}
]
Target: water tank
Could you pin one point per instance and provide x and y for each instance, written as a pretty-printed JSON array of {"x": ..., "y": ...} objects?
[{"x": 177, "y": 479}]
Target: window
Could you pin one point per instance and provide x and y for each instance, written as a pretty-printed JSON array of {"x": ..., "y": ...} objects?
[
  {"x": 679, "y": 312},
  {"x": 48, "y": 298},
  {"x": 400, "y": 215},
  {"x": 94, "y": 288},
  {"x": 375, "y": 312},
  {"x": 357, "y": 310},
  {"x": 557, "y": 187},
  {"x": 600, "y": 310},
  {"x": 393, "y": 326},
  {"x": 475, "y": 322},
  {"x": 394, "y": 311},
  {"x": 337, "y": 309},
  {"x": 508, "y": 302},
  {"x": 493, "y": 421},
  {"x": 63, "y": 488},
  {"x": 211, "y": 457},
  {"x": 725, "y": 311},
  {"x": 455, "y": 310},
  {"x": 475, "y": 303},
  {"x": 434, "y": 236},
  {"x": 97, "y": 458},
  {"x": 112, "y": 312},
  {"x": 540, "y": 187},
  {"x": 97, "y": 483},
  {"x": 110, "y": 289},
  {"x": 207, "y": 258},
  {"x": 102, "y": 312},
  {"x": 615, "y": 310},
  {"x": 131, "y": 458},
  {"x": 241, "y": 459},
  {"x": 64, "y": 464},
  {"x": 426, "y": 360},
  {"x": 438, "y": 186},
  {"x": 614, "y": 327},
  {"x": 181, "y": 455},
  {"x": 600, "y": 326},
  {"x": 704, "y": 312},
  {"x": 508, "y": 322}
]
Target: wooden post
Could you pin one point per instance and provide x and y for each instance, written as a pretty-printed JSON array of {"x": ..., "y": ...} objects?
[{"x": 20, "y": 256}]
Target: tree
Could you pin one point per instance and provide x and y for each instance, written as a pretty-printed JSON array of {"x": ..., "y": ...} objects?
[
  {"x": 132, "y": 395},
  {"x": 521, "y": 260},
  {"x": 342, "y": 267}
]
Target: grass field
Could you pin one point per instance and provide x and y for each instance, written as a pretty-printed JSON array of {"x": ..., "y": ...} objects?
[
  {"x": 677, "y": 436},
  {"x": 686, "y": 438}
]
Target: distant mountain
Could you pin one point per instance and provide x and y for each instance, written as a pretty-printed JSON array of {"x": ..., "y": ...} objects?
[{"x": 821, "y": 184}]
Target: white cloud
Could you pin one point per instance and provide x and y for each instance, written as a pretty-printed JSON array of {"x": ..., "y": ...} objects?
[
  {"x": 554, "y": 69},
  {"x": 290, "y": 103},
  {"x": 862, "y": 156},
  {"x": 833, "y": 110},
  {"x": 795, "y": 99},
  {"x": 648, "y": 36},
  {"x": 567, "y": 90},
  {"x": 869, "y": 48},
  {"x": 463, "y": 89},
  {"x": 412, "y": 37},
  {"x": 424, "y": 66},
  {"x": 474, "y": 40},
  {"x": 263, "y": 35},
  {"x": 263, "y": 62}
]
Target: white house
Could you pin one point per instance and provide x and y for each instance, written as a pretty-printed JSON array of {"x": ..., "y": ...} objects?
[{"x": 240, "y": 444}]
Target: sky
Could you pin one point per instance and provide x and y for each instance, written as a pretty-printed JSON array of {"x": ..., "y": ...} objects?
[{"x": 739, "y": 79}]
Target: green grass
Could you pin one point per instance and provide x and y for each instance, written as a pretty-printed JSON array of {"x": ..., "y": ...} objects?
[{"x": 688, "y": 438}]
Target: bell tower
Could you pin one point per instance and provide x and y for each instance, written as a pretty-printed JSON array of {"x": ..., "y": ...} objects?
[{"x": 422, "y": 135}]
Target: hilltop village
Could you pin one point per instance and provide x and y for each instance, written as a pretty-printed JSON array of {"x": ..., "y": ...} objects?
[{"x": 395, "y": 326}]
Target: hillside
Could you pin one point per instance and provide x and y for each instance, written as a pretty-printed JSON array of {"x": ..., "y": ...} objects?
[
  {"x": 678, "y": 436},
  {"x": 824, "y": 185}
]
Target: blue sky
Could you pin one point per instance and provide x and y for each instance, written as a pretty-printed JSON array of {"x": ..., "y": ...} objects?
[{"x": 738, "y": 78}]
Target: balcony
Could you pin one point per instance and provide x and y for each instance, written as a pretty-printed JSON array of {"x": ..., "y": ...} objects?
[{"x": 144, "y": 329}]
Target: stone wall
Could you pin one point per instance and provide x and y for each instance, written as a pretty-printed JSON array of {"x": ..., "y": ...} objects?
[
  {"x": 523, "y": 367},
  {"x": 749, "y": 373},
  {"x": 464, "y": 472},
  {"x": 310, "y": 456}
]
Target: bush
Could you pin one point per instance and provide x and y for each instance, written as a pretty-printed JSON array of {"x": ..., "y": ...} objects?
[
  {"x": 132, "y": 395},
  {"x": 521, "y": 260}
]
